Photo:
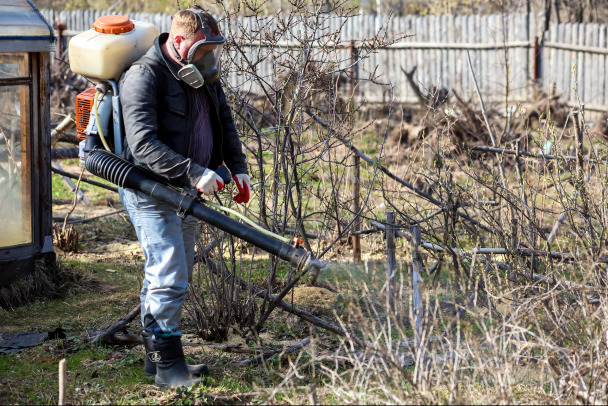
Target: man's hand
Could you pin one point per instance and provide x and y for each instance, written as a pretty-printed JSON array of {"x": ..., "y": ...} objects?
[
  {"x": 244, "y": 185},
  {"x": 210, "y": 182}
]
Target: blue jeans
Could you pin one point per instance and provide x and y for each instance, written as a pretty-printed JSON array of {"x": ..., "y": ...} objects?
[{"x": 167, "y": 242}]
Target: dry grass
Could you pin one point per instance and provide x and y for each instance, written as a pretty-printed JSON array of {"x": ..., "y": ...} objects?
[{"x": 508, "y": 328}]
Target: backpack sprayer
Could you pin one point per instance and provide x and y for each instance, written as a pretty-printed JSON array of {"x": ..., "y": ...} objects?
[{"x": 102, "y": 54}]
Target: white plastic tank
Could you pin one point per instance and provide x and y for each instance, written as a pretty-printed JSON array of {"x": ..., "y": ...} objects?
[{"x": 107, "y": 50}]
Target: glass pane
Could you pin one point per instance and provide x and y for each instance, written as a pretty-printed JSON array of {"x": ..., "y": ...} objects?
[
  {"x": 15, "y": 172},
  {"x": 14, "y": 65}
]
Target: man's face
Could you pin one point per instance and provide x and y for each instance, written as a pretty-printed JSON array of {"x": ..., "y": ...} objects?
[
  {"x": 202, "y": 51},
  {"x": 186, "y": 44}
]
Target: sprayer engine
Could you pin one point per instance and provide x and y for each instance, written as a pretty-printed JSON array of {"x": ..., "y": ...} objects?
[{"x": 84, "y": 106}]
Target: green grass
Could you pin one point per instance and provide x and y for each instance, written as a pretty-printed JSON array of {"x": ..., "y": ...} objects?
[
  {"x": 60, "y": 189},
  {"x": 97, "y": 296},
  {"x": 93, "y": 300},
  {"x": 93, "y": 373}
]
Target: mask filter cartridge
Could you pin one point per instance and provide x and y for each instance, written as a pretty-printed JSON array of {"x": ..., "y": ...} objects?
[{"x": 191, "y": 76}]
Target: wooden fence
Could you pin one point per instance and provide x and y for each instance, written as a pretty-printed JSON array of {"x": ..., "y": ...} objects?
[{"x": 511, "y": 55}]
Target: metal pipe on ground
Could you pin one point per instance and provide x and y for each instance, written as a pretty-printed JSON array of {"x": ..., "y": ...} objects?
[{"x": 85, "y": 180}]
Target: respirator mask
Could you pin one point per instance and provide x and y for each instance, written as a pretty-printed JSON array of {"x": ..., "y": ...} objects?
[{"x": 202, "y": 64}]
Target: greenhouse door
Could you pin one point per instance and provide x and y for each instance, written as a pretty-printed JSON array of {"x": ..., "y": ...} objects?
[{"x": 15, "y": 150}]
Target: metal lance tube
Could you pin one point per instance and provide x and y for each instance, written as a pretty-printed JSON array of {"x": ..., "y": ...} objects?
[{"x": 108, "y": 166}]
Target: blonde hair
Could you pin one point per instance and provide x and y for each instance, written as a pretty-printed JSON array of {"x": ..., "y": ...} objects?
[{"x": 185, "y": 23}]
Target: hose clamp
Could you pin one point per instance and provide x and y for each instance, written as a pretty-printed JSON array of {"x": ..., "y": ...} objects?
[
  {"x": 303, "y": 264},
  {"x": 183, "y": 211}
]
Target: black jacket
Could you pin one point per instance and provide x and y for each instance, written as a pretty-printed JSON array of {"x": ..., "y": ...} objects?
[{"x": 157, "y": 111}]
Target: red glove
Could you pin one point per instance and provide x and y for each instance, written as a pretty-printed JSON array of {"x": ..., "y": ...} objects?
[{"x": 244, "y": 185}]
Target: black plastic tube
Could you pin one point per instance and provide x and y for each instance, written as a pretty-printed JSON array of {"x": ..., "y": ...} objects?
[
  {"x": 64, "y": 153},
  {"x": 126, "y": 175}
]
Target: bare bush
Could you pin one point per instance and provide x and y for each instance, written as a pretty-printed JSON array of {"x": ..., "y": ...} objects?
[
  {"x": 294, "y": 120},
  {"x": 516, "y": 231}
]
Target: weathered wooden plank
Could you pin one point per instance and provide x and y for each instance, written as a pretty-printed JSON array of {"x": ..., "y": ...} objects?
[
  {"x": 528, "y": 35},
  {"x": 437, "y": 34},
  {"x": 503, "y": 57},
  {"x": 514, "y": 58},
  {"x": 486, "y": 71},
  {"x": 603, "y": 83},
  {"x": 478, "y": 54},
  {"x": 532, "y": 34},
  {"x": 470, "y": 38},
  {"x": 397, "y": 61},
  {"x": 524, "y": 69},
  {"x": 82, "y": 21},
  {"x": 387, "y": 67},
  {"x": 562, "y": 67},
  {"x": 450, "y": 76},
  {"x": 580, "y": 64},
  {"x": 592, "y": 68},
  {"x": 549, "y": 62},
  {"x": 461, "y": 33},
  {"x": 492, "y": 54},
  {"x": 571, "y": 37},
  {"x": 420, "y": 72},
  {"x": 460, "y": 36},
  {"x": 442, "y": 34},
  {"x": 365, "y": 65},
  {"x": 408, "y": 57},
  {"x": 432, "y": 59},
  {"x": 75, "y": 21}
]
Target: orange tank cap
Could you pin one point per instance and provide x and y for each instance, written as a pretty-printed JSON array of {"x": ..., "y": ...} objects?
[{"x": 113, "y": 24}]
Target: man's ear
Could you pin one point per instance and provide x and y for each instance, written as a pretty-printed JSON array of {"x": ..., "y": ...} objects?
[{"x": 177, "y": 41}]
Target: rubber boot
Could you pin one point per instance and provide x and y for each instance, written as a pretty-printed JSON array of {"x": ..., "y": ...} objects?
[
  {"x": 150, "y": 366},
  {"x": 171, "y": 368}
]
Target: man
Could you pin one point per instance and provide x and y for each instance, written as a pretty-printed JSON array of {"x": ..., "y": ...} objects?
[{"x": 178, "y": 125}]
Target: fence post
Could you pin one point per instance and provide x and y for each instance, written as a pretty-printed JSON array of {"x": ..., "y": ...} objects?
[
  {"x": 537, "y": 60},
  {"x": 391, "y": 261},
  {"x": 60, "y": 38},
  {"x": 356, "y": 239},
  {"x": 354, "y": 70},
  {"x": 537, "y": 68},
  {"x": 578, "y": 144},
  {"x": 62, "y": 381},
  {"x": 416, "y": 280}
]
